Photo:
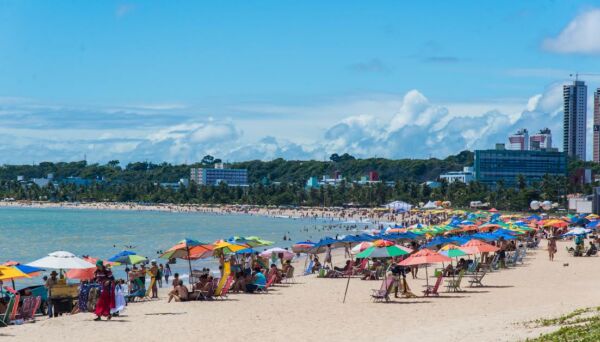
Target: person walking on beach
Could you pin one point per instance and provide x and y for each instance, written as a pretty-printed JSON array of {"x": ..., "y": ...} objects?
[
  {"x": 551, "y": 248},
  {"x": 328, "y": 257},
  {"x": 106, "y": 302},
  {"x": 167, "y": 273}
]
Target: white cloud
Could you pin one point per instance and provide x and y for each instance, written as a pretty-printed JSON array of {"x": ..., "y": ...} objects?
[
  {"x": 392, "y": 126},
  {"x": 581, "y": 36}
]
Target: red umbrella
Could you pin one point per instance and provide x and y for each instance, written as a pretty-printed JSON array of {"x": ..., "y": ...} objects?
[
  {"x": 85, "y": 273},
  {"x": 424, "y": 256},
  {"x": 475, "y": 246}
]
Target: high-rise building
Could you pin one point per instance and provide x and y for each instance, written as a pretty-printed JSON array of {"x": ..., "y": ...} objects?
[
  {"x": 494, "y": 166},
  {"x": 596, "y": 147},
  {"x": 219, "y": 174},
  {"x": 541, "y": 140},
  {"x": 519, "y": 141},
  {"x": 575, "y": 116}
]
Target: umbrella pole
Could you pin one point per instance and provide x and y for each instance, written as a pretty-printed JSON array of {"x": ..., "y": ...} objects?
[
  {"x": 426, "y": 276},
  {"x": 189, "y": 264},
  {"x": 347, "y": 285}
]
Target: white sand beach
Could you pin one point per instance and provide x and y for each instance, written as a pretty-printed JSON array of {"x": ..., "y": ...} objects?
[{"x": 312, "y": 309}]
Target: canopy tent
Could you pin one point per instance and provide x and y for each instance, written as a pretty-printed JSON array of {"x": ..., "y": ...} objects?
[
  {"x": 430, "y": 205},
  {"x": 399, "y": 206}
]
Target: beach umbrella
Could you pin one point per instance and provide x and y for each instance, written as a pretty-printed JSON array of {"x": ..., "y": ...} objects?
[
  {"x": 188, "y": 249},
  {"x": 11, "y": 272},
  {"x": 475, "y": 246},
  {"x": 424, "y": 257},
  {"x": 287, "y": 255},
  {"x": 87, "y": 273},
  {"x": 361, "y": 247},
  {"x": 127, "y": 258},
  {"x": 246, "y": 251},
  {"x": 227, "y": 247},
  {"x": 302, "y": 247},
  {"x": 61, "y": 260},
  {"x": 254, "y": 241},
  {"x": 452, "y": 251},
  {"x": 385, "y": 251},
  {"x": 28, "y": 270},
  {"x": 577, "y": 231}
]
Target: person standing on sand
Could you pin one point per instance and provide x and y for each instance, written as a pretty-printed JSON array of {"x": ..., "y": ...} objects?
[
  {"x": 106, "y": 302},
  {"x": 159, "y": 276},
  {"x": 551, "y": 248},
  {"x": 167, "y": 273},
  {"x": 153, "y": 278},
  {"x": 328, "y": 256}
]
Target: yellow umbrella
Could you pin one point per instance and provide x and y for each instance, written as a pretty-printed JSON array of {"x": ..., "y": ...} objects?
[
  {"x": 10, "y": 272},
  {"x": 227, "y": 247}
]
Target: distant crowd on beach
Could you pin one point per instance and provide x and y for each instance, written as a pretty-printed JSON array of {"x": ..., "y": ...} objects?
[{"x": 349, "y": 215}]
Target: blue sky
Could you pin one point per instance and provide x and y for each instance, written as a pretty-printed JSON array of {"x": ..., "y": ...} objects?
[{"x": 241, "y": 80}]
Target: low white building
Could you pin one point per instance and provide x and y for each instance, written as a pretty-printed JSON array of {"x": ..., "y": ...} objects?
[{"x": 465, "y": 176}]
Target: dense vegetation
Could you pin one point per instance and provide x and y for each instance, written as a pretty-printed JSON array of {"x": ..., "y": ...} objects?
[{"x": 277, "y": 182}]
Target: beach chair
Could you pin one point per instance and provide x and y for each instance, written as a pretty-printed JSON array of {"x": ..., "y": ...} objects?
[
  {"x": 26, "y": 311},
  {"x": 406, "y": 292},
  {"x": 223, "y": 293},
  {"x": 495, "y": 263},
  {"x": 383, "y": 293},
  {"x": 5, "y": 317},
  {"x": 289, "y": 276},
  {"x": 15, "y": 309},
  {"x": 453, "y": 285},
  {"x": 433, "y": 290},
  {"x": 361, "y": 268},
  {"x": 139, "y": 291},
  {"x": 476, "y": 280},
  {"x": 512, "y": 260},
  {"x": 472, "y": 267}
]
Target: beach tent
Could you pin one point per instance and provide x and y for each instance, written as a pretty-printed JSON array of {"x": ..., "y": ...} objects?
[
  {"x": 430, "y": 205},
  {"x": 399, "y": 206}
]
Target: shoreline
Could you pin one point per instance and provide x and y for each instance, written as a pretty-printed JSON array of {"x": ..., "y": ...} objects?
[{"x": 367, "y": 216}]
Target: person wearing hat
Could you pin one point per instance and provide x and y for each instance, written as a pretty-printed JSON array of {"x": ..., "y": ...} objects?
[
  {"x": 50, "y": 282},
  {"x": 104, "y": 277}
]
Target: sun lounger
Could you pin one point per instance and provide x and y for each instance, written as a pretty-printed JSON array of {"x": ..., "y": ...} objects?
[
  {"x": 383, "y": 293},
  {"x": 453, "y": 285},
  {"x": 433, "y": 290},
  {"x": 15, "y": 310},
  {"x": 472, "y": 267},
  {"x": 476, "y": 280}
]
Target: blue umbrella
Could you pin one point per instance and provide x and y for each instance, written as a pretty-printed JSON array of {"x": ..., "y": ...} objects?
[{"x": 125, "y": 257}]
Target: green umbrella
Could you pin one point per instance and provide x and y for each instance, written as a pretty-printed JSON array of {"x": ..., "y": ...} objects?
[
  {"x": 384, "y": 252},
  {"x": 452, "y": 251}
]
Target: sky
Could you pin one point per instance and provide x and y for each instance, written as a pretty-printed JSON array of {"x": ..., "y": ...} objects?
[{"x": 164, "y": 81}]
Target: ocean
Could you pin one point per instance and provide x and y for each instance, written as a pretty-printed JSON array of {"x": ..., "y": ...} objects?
[{"x": 27, "y": 234}]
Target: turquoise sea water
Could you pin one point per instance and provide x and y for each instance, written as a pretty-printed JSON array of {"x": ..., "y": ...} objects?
[{"x": 27, "y": 234}]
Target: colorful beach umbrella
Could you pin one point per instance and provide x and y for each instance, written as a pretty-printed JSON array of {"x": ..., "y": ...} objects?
[
  {"x": 189, "y": 250},
  {"x": 389, "y": 251},
  {"x": 361, "y": 247},
  {"x": 302, "y": 247},
  {"x": 452, "y": 251},
  {"x": 127, "y": 258},
  {"x": 11, "y": 272},
  {"x": 475, "y": 246},
  {"x": 227, "y": 247},
  {"x": 424, "y": 257},
  {"x": 287, "y": 255}
]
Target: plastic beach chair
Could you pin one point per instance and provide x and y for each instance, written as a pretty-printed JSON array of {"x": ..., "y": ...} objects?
[
  {"x": 225, "y": 288},
  {"x": 433, "y": 290},
  {"x": 454, "y": 284},
  {"x": 476, "y": 280},
  {"x": 5, "y": 317},
  {"x": 383, "y": 293}
]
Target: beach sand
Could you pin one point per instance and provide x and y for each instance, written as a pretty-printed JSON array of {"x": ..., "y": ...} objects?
[{"x": 312, "y": 309}]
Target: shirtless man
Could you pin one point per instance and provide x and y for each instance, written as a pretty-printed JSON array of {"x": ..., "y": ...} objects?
[{"x": 180, "y": 293}]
